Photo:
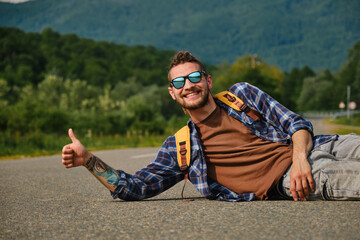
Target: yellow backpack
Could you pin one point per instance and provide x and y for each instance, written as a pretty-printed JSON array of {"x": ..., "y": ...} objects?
[{"x": 182, "y": 136}]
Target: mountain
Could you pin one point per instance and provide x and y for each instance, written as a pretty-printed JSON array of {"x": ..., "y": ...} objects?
[{"x": 286, "y": 33}]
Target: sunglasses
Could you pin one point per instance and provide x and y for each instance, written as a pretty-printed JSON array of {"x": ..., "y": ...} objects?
[{"x": 193, "y": 77}]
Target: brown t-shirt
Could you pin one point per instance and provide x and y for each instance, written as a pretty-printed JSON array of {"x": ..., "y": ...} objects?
[{"x": 238, "y": 159}]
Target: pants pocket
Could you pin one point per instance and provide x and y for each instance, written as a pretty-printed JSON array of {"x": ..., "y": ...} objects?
[{"x": 340, "y": 184}]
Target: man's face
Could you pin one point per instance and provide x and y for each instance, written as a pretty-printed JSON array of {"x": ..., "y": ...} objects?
[{"x": 192, "y": 95}]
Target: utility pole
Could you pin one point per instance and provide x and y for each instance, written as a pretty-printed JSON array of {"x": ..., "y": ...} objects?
[
  {"x": 253, "y": 61},
  {"x": 348, "y": 101}
]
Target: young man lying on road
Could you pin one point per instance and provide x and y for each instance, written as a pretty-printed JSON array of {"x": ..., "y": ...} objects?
[{"x": 233, "y": 156}]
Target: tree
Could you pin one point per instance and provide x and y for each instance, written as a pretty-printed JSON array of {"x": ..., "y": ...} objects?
[
  {"x": 318, "y": 93},
  {"x": 250, "y": 69},
  {"x": 79, "y": 95},
  {"x": 50, "y": 90},
  {"x": 4, "y": 89},
  {"x": 350, "y": 74},
  {"x": 292, "y": 86}
]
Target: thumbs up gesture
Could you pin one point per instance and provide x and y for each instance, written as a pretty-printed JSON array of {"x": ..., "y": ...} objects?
[{"x": 74, "y": 154}]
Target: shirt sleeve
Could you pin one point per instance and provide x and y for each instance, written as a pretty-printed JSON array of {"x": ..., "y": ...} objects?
[
  {"x": 158, "y": 176},
  {"x": 271, "y": 110}
]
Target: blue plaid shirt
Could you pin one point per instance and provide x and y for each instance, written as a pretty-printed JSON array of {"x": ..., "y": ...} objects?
[{"x": 278, "y": 124}]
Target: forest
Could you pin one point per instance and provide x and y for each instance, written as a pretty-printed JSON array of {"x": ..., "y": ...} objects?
[
  {"x": 286, "y": 33},
  {"x": 117, "y": 94}
]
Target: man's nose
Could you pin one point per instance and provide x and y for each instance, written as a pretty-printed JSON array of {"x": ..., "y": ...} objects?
[{"x": 188, "y": 83}]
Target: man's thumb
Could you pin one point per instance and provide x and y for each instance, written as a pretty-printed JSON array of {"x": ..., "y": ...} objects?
[{"x": 72, "y": 135}]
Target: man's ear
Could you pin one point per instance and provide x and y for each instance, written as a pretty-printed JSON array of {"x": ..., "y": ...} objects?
[
  {"x": 209, "y": 81},
  {"x": 171, "y": 93}
]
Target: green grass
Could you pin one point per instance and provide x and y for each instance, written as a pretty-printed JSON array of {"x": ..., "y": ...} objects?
[
  {"x": 40, "y": 144},
  {"x": 346, "y": 125},
  {"x": 342, "y": 131},
  {"x": 352, "y": 121},
  {"x": 15, "y": 145}
]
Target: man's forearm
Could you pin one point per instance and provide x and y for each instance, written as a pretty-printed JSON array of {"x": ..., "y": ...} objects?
[
  {"x": 300, "y": 175},
  {"x": 108, "y": 176},
  {"x": 302, "y": 143}
]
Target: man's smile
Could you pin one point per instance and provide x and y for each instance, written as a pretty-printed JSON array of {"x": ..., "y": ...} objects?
[{"x": 192, "y": 94}]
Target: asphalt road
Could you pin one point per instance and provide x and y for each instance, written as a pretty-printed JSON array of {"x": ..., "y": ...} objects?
[{"x": 40, "y": 199}]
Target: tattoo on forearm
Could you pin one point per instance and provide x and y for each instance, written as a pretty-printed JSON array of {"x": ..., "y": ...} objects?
[
  {"x": 90, "y": 163},
  {"x": 101, "y": 169}
]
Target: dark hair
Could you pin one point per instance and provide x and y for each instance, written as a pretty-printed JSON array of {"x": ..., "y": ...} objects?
[{"x": 184, "y": 57}]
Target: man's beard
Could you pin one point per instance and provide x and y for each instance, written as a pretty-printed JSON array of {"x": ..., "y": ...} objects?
[{"x": 192, "y": 106}]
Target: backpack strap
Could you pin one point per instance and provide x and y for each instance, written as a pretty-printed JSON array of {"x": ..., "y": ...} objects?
[
  {"x": 236, "y": 103},
  {"x": 183, "y": 150}
]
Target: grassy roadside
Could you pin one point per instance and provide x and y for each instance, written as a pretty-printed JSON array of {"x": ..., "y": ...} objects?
[
  {"x": 343, "y": 126},
  {"x": 40, "y": 144},
  {"x": 45, "y": 145}
]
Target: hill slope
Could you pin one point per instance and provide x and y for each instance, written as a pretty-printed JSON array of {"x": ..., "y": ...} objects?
[{"x": 285, "y": 33}]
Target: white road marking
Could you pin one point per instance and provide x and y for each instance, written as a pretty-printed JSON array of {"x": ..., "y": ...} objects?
[{"x": 144, "y": 155}]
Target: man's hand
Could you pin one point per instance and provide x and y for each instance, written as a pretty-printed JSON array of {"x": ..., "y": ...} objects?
[
  {"x": 74, "y": 154},
  {"x": 300, "y": 174},
  {"x": 301, "y": 179}
]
